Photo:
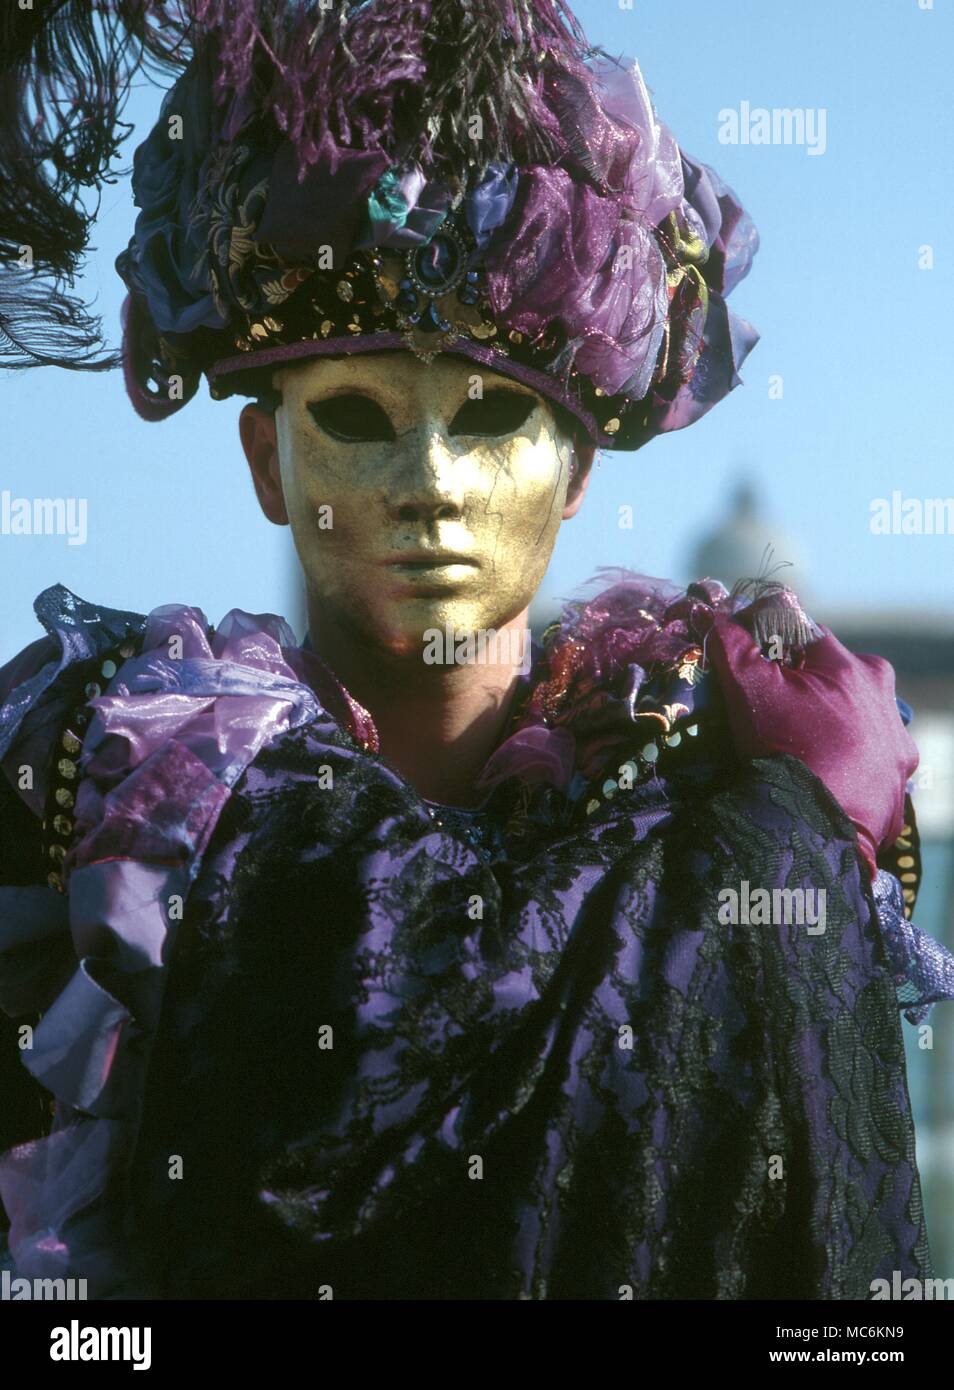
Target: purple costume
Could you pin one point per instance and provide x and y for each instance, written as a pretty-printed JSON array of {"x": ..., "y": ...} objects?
[
  {"x": 302, "y": 1029},
  {"x": 305, "y": 1029}
]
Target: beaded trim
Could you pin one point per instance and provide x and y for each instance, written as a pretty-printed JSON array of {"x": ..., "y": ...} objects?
[
  {"x": 903, "y": 859},
  {"x": 65, "y": 773},
  {"x": 643, "y": 764},
  {"x": 432, "y": 295}
]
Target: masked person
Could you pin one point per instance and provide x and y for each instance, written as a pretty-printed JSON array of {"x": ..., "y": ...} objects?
[{"x": 401, "y": 963}]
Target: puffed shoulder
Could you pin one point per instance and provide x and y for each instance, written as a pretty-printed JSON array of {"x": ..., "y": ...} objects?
[
  {"x": 123, "y": 661},
  {"x": 644, "y": 659},
  {"x": 162, "y": 716},
  {"x": 38, "y": 686}
]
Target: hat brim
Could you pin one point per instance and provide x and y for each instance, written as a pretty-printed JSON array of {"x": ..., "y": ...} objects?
[{"x": 228, "y": 371}]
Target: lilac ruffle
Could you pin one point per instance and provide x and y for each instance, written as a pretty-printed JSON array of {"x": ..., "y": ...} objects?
[
  {"x": 166, "y": 745},
  {"x": 32, "y": 710},
  {"x": 923, "y": 969},
  {"x": 594, "y": 262}
]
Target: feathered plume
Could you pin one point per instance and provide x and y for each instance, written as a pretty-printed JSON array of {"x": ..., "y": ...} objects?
[
  {"x": 65, "y": 71},
  {"x": 368, "y": 72},
  {"x": 365, "y": 72}
]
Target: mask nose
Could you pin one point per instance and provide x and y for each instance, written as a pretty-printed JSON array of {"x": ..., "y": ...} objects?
[{"x": 429, "y": 486}]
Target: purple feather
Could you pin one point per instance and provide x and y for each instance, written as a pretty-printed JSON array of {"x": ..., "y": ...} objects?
[{"x": 366, "y": 73}]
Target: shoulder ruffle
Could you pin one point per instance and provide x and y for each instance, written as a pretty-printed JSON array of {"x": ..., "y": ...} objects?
[
  {"x": 636, "y": 670},
  {"x": 178, "y": 725},
  {"x": 34, "y": 700},
  {"x": 628, "y": 666}
]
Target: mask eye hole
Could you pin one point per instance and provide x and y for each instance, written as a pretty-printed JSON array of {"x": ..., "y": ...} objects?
[
  {"x": 352, "y": 418},
  {"x": 498, "y": 412}
]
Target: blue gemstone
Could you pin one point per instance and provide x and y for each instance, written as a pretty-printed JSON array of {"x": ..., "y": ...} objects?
[
  {"x": 433, "y": 321},
  {"x": 438, "y": 263}
]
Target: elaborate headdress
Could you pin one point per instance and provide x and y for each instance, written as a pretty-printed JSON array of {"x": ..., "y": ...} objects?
[{"x": 333, "y": 177}]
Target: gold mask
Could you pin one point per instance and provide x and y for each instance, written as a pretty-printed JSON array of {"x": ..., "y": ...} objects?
[{"x": 418, "y": 496}]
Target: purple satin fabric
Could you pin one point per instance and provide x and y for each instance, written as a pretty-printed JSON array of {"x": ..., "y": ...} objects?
[
  {"x": 168, "y": 742},
  {"x": 587, "y": 259},
  {"x": 32, "y": 711},
  {"x": 593, "y": 262},
  {"x": 560, "y": 263},
  {"x": 488, "y": 206}
]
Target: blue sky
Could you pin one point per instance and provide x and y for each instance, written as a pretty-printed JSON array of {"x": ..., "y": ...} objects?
[{"x": 857, "y": 332}]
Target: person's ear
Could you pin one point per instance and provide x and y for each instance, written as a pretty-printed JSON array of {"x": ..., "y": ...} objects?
[
  {"x": 260, "y": 442},
  {"x": 583, "y": 454}
]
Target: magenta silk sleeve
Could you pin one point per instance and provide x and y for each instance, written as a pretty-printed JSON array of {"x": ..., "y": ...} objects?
[{"x": 836, "y": 712}]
